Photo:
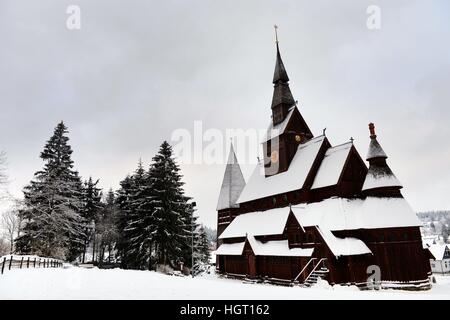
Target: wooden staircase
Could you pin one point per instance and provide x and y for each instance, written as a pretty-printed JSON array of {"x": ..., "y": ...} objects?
[{"x": 315, "y": 275}]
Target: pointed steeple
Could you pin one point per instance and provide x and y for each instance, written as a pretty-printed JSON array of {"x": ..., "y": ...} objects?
[
  {"x": 282, "y": 99},
  {"x": 233, "y": 183},
  {"x": 280, "y": 73},
  {"x": 380, "y": 180}
]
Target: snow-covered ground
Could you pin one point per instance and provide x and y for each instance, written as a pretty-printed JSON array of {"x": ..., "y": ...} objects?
[{"x": 79, "y": 283}]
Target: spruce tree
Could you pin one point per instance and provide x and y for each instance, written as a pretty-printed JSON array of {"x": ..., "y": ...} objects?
[
  {"x": 124, "y": 206},
  {"x": 53, "y": 225},
  {"x": 92, "y": 205},
  {"x": 171, "y": 223},
  {"x": 107, "y": 227}
]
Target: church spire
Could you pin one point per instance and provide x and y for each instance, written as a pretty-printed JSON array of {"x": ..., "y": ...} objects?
[
  {"x": 380, "y": 180},
  {"x": 233, "y": 183},
  {"x": 282, "y": 99},
  {"x": 280, "y": 73}
]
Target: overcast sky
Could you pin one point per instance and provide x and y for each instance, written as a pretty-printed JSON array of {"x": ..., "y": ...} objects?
[{"x": 138, "y": 70}]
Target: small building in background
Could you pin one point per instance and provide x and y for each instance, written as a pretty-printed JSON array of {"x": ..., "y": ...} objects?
[{"x": 440, "y": 260}]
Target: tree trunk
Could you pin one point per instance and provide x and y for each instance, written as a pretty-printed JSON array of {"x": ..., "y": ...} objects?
[{"x": 93, "y": 249}]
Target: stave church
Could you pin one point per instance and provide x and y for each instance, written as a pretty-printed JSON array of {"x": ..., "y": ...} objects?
[{"x": 313, "y": 211}]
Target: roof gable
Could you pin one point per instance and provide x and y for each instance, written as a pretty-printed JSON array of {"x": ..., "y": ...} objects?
[
  {"x": 294, "y": 178},
  {"x": 332, "y": 166}
]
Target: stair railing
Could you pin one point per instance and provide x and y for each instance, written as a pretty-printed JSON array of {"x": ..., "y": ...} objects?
[
  {"x": 304, "y": 268},
  {"x": 321, "y": 261}
]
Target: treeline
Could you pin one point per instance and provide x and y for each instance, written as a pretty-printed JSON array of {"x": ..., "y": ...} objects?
[{"x": 148, "y": 221}]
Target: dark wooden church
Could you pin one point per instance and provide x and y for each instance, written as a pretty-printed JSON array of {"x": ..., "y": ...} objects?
[{"x": 311, "y": 210}]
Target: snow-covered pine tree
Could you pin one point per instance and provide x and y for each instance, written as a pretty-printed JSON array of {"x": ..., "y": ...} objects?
[
  {"x": 92, "y": 204},
  {"x": 123, "y": 202},
  {"x": 203, "y": 246},
  {"x": 53, "y": 225},
  {"x": 201, "y": 252},
  {"x": 172, "y": 229},
  {"x": 107, "y": 227},
  {"x": 131, "y": 226}
]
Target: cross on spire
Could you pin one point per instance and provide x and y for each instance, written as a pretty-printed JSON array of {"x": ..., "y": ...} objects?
[{"x": 276, "y": 33}]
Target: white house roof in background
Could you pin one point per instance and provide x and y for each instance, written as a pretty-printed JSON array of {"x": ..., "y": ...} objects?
[
  {"x": 230, "y": 249},
  {"x": 279, "y": 248},
  {"x": 332, "y": 165},
  {"x": 438, "y": 250},
  {"x": 344, "y": 214},
  {"x": 259, "y": 223},
  {"x": 278, "y": 129},
  {"x": 232, "y": 184},
  {"x": 343, "y": 246},
  {"x": 294, "y": 178}
]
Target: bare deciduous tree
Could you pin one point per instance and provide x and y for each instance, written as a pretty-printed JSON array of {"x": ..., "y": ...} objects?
[
  {"x": 4, "y": 247},
  {"x": 12, "y": 224}
]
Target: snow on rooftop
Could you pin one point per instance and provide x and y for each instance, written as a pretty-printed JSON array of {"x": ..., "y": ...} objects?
[
  {"x": 230, "y": 249},
  {"x": 279, "y": 248},
  {"x": 259, "y": 223},
  {"x": 278, "y": 129},
  {"x": 373, "y": 181},
  {"x": 259, "y": 186},
  {"x": 345, "y": 214},
  {"x": 343, "y": 246},
  {"x": 232, "y": 184},
  {"x": 375, "y": 150},
  {"x": 438, "y": 250},
  {"x": 332, "y": 165}
]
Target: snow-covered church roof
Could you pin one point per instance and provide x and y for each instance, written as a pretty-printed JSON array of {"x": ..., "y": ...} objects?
[
  {"x": 343, "y": 246},
  {"x": 232, "y": 184},
  {"x": 379, "y": 174},
  {"x": 258, "y": 223},
  {"x": 278, "y": 129},
  {"x": 259, "y": 186},
  {"x": 350, "y": 214},
  {"x": 375, "y": 150},
  {"x": 380, "y": 178},
  {"x": 332, "y": 165},
  {"x": 278, "y": 248}
]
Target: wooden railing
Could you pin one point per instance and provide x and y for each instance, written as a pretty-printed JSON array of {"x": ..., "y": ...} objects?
[
  {"x": 21, "y": 262},
  {"x": 320, "y": 263},
  {"x": 304, "y": 268}
]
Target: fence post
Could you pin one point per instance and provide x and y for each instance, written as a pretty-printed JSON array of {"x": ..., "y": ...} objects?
[
  {"x": 10, "y": 262},
  {"x": 34, "y": 265},
  {"x": 39, "y": 265},
  {"x": 21, "y": 262},
  {"x": 3, "y": 265},
  {"x": 28, "y": 262}
]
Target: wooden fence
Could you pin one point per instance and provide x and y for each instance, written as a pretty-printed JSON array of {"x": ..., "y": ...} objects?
[{"x": 22, "y": 262}]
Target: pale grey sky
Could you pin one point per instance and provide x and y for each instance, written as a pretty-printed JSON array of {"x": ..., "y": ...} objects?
[{"x": 137, "y": 70}]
